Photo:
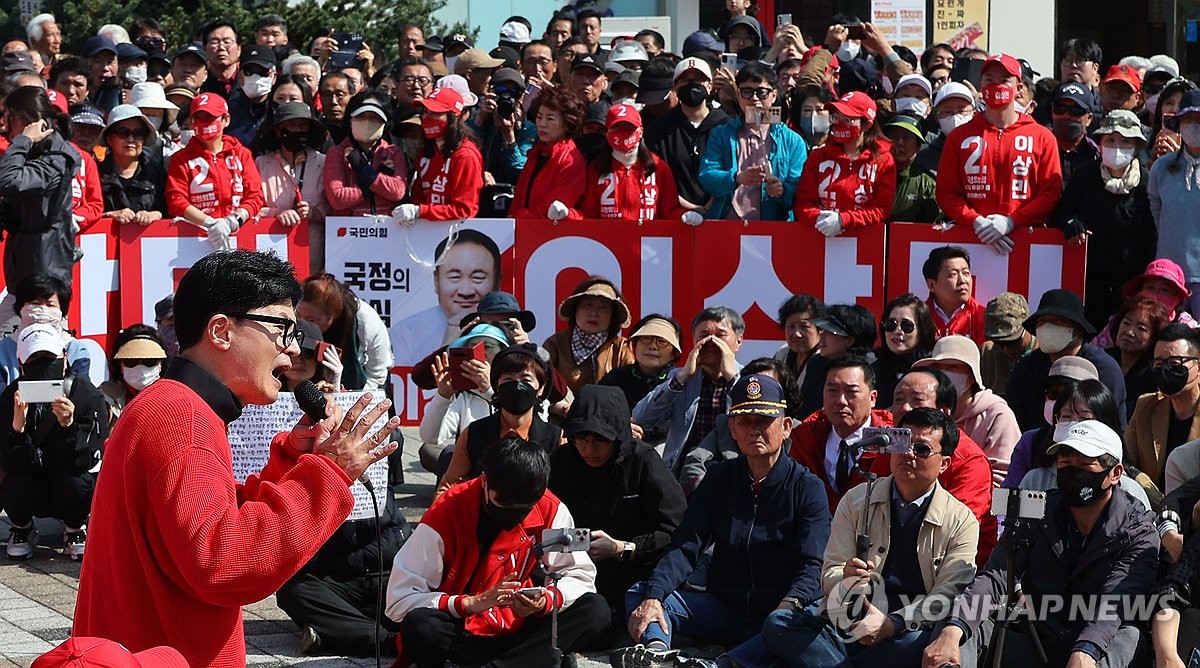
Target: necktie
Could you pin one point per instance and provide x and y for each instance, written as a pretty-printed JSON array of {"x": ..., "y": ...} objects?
[{"x": 843, "y": 465}]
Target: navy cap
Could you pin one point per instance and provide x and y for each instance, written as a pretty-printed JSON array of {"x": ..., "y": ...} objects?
[
  {"x": 98, "y": 44},
  {"x": 1077, "y": 93},
  {"x": 1188, "y": 104},
  {"x": 127, "y": 51},
  {"x": 499, "y": 302},
  {"x": 701, "y": 40},
  {"x": 193, "y": 49},
  {"x": 757, "y": 395}
]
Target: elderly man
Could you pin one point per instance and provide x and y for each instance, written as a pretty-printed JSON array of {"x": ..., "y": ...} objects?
[
  {"x": 920, "y": 555},
  {"x": 1095, "y": 544},
  {"x": 767, "y": 521},
  {"x": 222, "y": 46},
  {"x": 44, "y": 37}
]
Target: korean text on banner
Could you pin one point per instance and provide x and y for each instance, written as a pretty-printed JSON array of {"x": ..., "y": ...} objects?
[
  {"x": 901, "y": 22},
  {"x": 961, "y": 23}
]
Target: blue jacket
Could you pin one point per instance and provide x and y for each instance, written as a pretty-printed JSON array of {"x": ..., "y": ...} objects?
[
  {"x": 1174, "y": 206},
  {"x": 676, "y": 410},
  {"x": 763, "y": 550},
  {"x": 719, "y": 167}
]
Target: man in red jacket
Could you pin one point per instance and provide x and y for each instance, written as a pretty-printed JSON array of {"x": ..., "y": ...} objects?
[
  {"x": 825, "y": 441},
  {"x": 947, "y": 272},
  {"x": 1000, "y": 170},
  {"x": 177, "y": 547}
]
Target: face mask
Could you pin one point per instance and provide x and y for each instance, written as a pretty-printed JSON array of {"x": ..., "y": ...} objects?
[
  {"x": 1048, "y": 411},
  {"x": 516, "y": 396},
  {"x": 815, "y": 126},
  {"x": 625, "y": 140},
  {"x": 1152, "y": 103},
  {"x": 844, "y": 132},
  {"x": 434, "y": 128},
  {"x": 998, "y": 96},
  {"x": 256, "y": 86},
  {"x": 209, "y": 132},
  {"x": 1170, "y": 379},
  {"x": 156, "y": 121},
  {"x": 168, "y": 334},
  {"x": 947, "y": 125},
  {"x": 295, "y": 142},
  {"x": 139, "y": 377},
  {"x": 1019, "y": 107},
  {"x": 849, "y": 51},
  {"x": 47, "y": 368},
  {"x": 367, "y": 130},
  {"x": 692, "y": 95},
  {"x": 135, "y": 75},
  {"x": 1190, "y": 134},
  {"x": 503, "y": 518},
  {"x": 961, "y": 381},
  {"x": 40, "y": 314},
  {"x": 1115, "y": 157},
  {"x": 1169, "y": 302},
  {"x": 1067, "y": 129},
  {"x": 913, "y": 105},
  {"x": 1079, "y": 487},
  {"x": 1053, "y": 339}
]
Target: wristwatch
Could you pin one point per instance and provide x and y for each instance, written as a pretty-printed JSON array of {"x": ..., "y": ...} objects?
[{"x": 627, "y": 550}]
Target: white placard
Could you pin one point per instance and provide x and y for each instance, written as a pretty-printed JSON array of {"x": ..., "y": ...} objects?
[{"x": 250, "y": 439}]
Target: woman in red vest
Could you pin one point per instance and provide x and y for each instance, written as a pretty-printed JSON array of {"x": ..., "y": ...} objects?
[{"x": 450, "y": 168}]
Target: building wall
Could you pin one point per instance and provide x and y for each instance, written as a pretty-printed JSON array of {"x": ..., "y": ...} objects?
[{"x": 1026, "y": 29}]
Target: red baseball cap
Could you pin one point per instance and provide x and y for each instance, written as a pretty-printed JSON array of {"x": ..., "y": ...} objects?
[
  {"x": 1010, "y": 64},
  {"x": 102, "y": 653},
  {"x": 57, "y": 99},
  {"x": 854, "y": 105},
  {"x": 1125, "y": 74},
  {"x": 623, "y": 113},
  {"x": 442, "y": 100},
  {"x": 211, "y": 104}
]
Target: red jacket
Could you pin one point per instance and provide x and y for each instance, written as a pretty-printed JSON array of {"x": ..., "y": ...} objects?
[
  {"x": 341, "y": 183},
  {"x": 176, "y": 547},
  {"x": 87, "y": 199},
  {"x": 562, "y": 176},
  {"x": 985, "y": 170},
  {"x": 808, "y": 448},
  {"x": 448, "y": 188},
  {"x": 862, "y": 190},
  {"x": 629, "y": 193},
  {"x": 966, "y": 321},
  {"x": 969, "y": 479},
  {"x": 215, "y": 184}
]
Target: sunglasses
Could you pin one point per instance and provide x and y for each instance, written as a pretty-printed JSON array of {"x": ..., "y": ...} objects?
[
  {"x": 922, "y": 450},
  {"x": 906, "y": 326},
  {"x": 753, "y": 93},
  {"x": 1069, "y": 110},
  {"x": 131, "y": 363},
  {"x": 126, "y": 133}
]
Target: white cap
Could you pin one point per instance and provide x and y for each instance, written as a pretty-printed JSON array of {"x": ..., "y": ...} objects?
[
  {"x": 693, "y": 63},
  {"x": 953, "y": 89},
  {"x": 1090, "y": 438},
  {"x": 460, "y": 86},
  {"x": 1163, "y": 63},
  {"x": 515, "y": 32},
  {"x": 38, "y": 338},
  {"x": 915, "y": 79},
  {"x": 627, "y": 51},
  {"x": 150, "y": 95}
]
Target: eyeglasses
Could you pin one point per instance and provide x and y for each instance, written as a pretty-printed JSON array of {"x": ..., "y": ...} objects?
[
  {"x": 131, "y": 363},
  {"x": 1069, "y": 110},
  {"x": 922, "y": 450},
  {"x": 125, "y": 133},
  {"x": 753, "y": 93},
  {"x": 227, "y": 42},
  {"x": 291, "y": 331},
  {"x": 410, "y": 80},
  {"x": 907, "y": 326},
  {"x": 1074, "y": 64}
]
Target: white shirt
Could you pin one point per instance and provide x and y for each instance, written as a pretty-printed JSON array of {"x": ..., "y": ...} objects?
[{"x": 833, "y": 443}]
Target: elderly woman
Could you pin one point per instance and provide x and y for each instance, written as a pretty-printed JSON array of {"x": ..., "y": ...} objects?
[
  {"x": 291, "y": 172},
  {"x": 138, "y": 362},
  {"x": 1134, "y": 329},
  {"x": 132, "y": 181},
  {"x": 554, "y": 178},
  {"x": 592, "y": 344}
]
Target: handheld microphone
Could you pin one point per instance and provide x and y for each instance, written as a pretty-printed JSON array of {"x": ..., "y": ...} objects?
[{"x": 312, "y": 402}]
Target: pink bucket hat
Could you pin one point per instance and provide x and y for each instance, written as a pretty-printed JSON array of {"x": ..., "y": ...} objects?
[{"x": 1160, "y": 268}]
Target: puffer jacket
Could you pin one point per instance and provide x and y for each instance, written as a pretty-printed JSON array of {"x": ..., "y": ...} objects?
[{"x": 35, "y": 208}]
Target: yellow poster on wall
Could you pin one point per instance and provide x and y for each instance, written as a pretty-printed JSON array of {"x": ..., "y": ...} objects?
[{"x": 961, "y": 23}]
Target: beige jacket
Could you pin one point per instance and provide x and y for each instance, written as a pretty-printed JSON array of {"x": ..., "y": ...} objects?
[
  {"x": 946, "y": 546},
  {"x": 1146, "y": 435}
]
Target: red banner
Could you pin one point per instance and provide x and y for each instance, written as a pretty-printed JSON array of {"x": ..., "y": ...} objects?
[{"x": 95, "y": 311}]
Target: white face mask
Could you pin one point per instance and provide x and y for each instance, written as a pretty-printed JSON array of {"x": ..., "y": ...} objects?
[
  {"x": 914, "y": 105},
  {"x": 450, "y": 61},
  {"x": 185, "y": 136},
  {"x": 156, "y": 121},
  {"x": 1053, "y": 339},
  {"x": 135, "y": 75},
  {"x": 1019, "y": 107},
  {"x": 961, "y": 381},
  {"x": 849, "y": 51},
  {"x": 139, "y": 377},
  {"x": 888, "y": 86},
  {"x": 1048, "y": 411},
  {"x": 1115, "y": 157},
  {"x": 40, "y": 314},
  {"x": 950, "y": 122},
  {"x": 626, "y": 159},
  {"x": 256, "y": 86}
]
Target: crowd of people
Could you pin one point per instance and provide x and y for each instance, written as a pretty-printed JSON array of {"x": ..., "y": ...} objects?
[{"x": 748, "y": 505}]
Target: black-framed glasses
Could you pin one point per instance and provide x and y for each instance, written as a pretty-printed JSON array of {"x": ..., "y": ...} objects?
[
  {"x": 922, "y": 450},
  {"x": 907, "y": 326},
  {"x": 1069, "y": 110},
  {"x": 752, "y": 93},
  {"x": 291, "y": 330}
]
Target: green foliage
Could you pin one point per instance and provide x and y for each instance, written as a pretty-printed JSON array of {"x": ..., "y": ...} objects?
[{"x": 379, "y": 21}]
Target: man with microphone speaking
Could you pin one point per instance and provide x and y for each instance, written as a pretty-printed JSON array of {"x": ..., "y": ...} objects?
[{"x": 177, "y": 546}]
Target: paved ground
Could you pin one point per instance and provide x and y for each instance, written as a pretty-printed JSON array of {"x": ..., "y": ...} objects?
[{"x": 37, "y": 597}]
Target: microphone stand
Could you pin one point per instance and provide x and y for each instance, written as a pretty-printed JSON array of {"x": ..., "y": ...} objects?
[
  {"x": 542, "y": 570},
  {"x": 1014, "y": 545},
  {"x": 862, "y": 542}
]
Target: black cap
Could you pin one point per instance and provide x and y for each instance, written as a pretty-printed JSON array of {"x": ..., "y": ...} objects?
[
  {"x": 432, "y": 43},
  {"x": 164, "y": 308},
  {"x": 160, "y": 56},
  {"x": 312, "y": 335},
  {"x": 256, "y": 54},
  {"x": 629, "y": 77},
  {"x": 193, "y": 49},
  {"x": 583, "y": 60},
  {"x": 128, "y": 51},
  {"x": 17, "y": 61},
  {"x": 1062, "y": 303},
  {"x": 508, "y": 54},
  {"x": 597, "y": 112},
  {"x": 508, "y": 75},
  {"x": 456, "y": 40}
]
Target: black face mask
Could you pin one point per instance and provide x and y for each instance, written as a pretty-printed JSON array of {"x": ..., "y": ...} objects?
[
  {"x": 46, "y": 368},
  {"x": 1067, "y": 129},
  {"x": 503, "y": 518},
  {"x": 516, "y": 396},
  {"x": 1080, "y": 487},
  {"x": 692, "y": 95},
  {"x": 1170, "y": 379},
  {"x": 295, "y": 142}
]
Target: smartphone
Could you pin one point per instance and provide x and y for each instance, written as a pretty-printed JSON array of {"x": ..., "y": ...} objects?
[
  {"x": 1027, "y": 504},
  {"x": 899, "y": 439},
  {"x": 783, "y": 20},
  {"x": 729, "y": 62},
  {"x": 40, "y": 391},
  {"x": 532, "y": 91},
  {"x": 968, "y": 70},
  {"x": 857, "y": 31},
  {"x": 349, "y": 44},
  {"x": 348, "y": 41},
  {"x": 774, "y": 115},
  {"x": 530, "y": 591},
  {"x": 459, "y": 355},
  {"x": 321, "y": 348}
]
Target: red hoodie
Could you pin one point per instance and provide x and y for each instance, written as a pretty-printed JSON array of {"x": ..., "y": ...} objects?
[
  {"x": 556, "y": 172},
  {"x": 631, "y": 194},
  {"x": 1013, "y": 171},
  {"x": 447, "y": 188},
  {"x": 87, "y": 199},
  {"x": 861, "y": 190},
  {"x": 215, "y": 184}
]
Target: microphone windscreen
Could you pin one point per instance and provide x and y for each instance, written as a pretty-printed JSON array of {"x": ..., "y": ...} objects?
[{"x": 311, "y": 400}]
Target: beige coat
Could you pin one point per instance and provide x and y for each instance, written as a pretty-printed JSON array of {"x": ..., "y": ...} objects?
[
  {"x": 1146, "y": 435},
  {"x": 946, "y": 546}
]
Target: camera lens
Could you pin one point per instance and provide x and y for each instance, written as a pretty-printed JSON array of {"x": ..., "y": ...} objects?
[{"x": 506, "y": 107}]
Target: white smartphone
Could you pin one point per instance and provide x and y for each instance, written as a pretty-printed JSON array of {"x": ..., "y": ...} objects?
[
  {"x": 729, "y": 62},
  {"x": 40, "y": 391},
  {"x": 783, "y": 20}
]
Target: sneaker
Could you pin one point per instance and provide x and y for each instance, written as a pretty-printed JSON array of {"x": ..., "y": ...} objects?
[
  {"x": 21, "y": 542},
  {"x": 640, "y": 656},
  {"x": 73, "y": 543},
  {"x": 310, "y": 642},
  {"x": 696, "y": 662}
]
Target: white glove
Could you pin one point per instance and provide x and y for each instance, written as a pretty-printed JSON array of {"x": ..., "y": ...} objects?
[
  {"x": 331, "y": 361},
  {"x": 1003, "y": 245},
  {"x": 219, "y": 231},
  {"x": 76, "y": 220},
  {"x": 692, "y": 218},
  {"x": 829, "y": 223},
  {"x": 991, "y": 228},
  {"x": 557, "y": 211},
  {"x": 406, "y": 214}
]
